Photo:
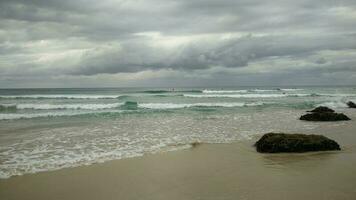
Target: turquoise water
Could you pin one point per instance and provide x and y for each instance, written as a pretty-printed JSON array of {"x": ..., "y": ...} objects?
[{"x": 48, "y": 129}]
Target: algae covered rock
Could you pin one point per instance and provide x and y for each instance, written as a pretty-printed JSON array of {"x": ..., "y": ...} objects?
[{"x": 281, "y": 142}]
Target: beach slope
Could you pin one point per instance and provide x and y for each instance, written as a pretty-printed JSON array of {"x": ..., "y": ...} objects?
[{"x": 207, "y": 171}]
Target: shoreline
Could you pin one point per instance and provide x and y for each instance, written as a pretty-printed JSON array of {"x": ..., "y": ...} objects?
[{"x": 207, "y": 171}]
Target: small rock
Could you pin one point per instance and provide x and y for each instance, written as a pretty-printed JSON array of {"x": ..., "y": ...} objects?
[
  {"x": 325, "y": 116},
  {"x": 281, "y": 142},
  {"x": 351, "y": 104},
  {"x": 195, "y": 144},
  {"x": 321, "y": 109}
]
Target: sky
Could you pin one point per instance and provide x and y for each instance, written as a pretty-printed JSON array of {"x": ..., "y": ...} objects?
[{"x": 176, "y": 43}]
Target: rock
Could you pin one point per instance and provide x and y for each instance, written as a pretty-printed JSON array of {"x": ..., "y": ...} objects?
[
  {"x": 195, "y": 144},
  {"x": 323, "y": 113},
  {"x": 321, "y": 109},
  {"x": 324, "y": 116},
  {"x": 351, "y": 104},
  {"x": 281, "y": 142}
]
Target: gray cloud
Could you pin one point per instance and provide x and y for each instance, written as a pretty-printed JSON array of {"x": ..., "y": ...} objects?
[
  {"x": 138, "y": 56},
  {"x": 77, "y": 39}
]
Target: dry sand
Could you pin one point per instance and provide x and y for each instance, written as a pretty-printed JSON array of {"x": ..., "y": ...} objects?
[{"x": 208, "y": 171}]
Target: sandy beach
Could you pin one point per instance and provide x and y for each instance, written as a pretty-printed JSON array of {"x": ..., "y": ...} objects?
[{"x": 207, "y": 171}]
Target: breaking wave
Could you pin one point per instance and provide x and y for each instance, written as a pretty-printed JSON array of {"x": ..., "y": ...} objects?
[
  {"x": 248, "y": 90},
  {"x": 83, "y": 109},
  {"x": 247, "y": 95},
  {"x": 176, "y": 106},
  {"x": 223, "y": 91},
  {"x": 61, "y": 96},
  {"x": 13, "y": 116},
  {"x": 61, "y": 106},
  {"x": 170, "y": 91}
]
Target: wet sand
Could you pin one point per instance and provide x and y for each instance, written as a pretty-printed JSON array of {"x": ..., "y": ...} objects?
[{"x": 208, "y": 171}]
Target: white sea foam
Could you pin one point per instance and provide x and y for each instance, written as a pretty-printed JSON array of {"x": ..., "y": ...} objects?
[
  {"x": 9, "y": 116},
  {"x": 223, "y": 91},
  {"x": 80, "y": 109},
  {"x": 68, "y": 106},
  {"x": 334, "y": 104},
  {"x": 176, "y": 106},
  {"x": 274, "y": 95},
  {"x": 338, "y": 95},
  {"x": 244, "y": 95},
  {"x": 290, "y": 89},
  {"x": 59, "y": 96},
  {"x": 260, "y": 90},
  {"x": 117, "y": 105},
  {"x": 277, "y": 89},
  {"x": 12, "y": 116},
  {"x": 246, "y": 91}
]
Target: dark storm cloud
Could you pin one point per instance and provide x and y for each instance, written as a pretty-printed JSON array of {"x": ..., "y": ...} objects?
[{"x": 76, "y": 38}]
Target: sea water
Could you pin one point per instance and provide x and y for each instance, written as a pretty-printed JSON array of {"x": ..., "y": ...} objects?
[{"x": 49, "y": 129}]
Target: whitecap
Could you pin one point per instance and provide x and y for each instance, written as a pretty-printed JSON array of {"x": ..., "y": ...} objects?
[
  {"x": 60, "y": 96},
  {"x": 176, "y": 106},
  {"x": 68, "y": 106}
]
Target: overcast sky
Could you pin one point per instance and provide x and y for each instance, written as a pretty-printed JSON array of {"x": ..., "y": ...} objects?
[{"x": 120, "y": 43}]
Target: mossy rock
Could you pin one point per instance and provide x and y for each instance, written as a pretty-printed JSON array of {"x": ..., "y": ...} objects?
[
  {"x": 321, "y": 109},
  {"x": 325, "y": 116},
  {"x": 351, "y": 104},
  {"x": 281, "y": 142}
]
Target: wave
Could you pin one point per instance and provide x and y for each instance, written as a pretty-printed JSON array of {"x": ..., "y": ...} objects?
[
  {"x": 275, "y": 95},
  {"x": 61, "y": 96},
  {"x": 246, "y": 91},
  {"x": 277, "y": 89},
  {"x": 338, "y": 95},
  {"x": 212, "y": 91},
  {"x": 334, "y": 104},
  {"x": 260, "y": 90},
  {"x": 62, "y": 106},
  {"x": 14, "y": 116},
  {"x": 7, "y": 108},
  {"x": 170, "y": 91},
  {"x": 156, "y": 91},
  {"x": 129, "y": 105},
  {"x": 191, "y": 91},
  {"x": 176, "y": 106},
  {"x": 82, "y": 109},
  {"x": 290, "y": 89},
  {"x": 247, "y": 95},
  {"x": 223, "y": 91}
]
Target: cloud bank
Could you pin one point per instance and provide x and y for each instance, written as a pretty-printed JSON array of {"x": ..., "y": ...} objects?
[{"x": 87, "y": 43}]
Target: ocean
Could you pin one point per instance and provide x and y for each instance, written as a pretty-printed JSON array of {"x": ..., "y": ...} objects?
[{"x": 49, "y": 129}]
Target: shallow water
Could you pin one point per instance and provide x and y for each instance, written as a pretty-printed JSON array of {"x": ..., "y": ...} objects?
[{"x": 47, "y": 129}]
